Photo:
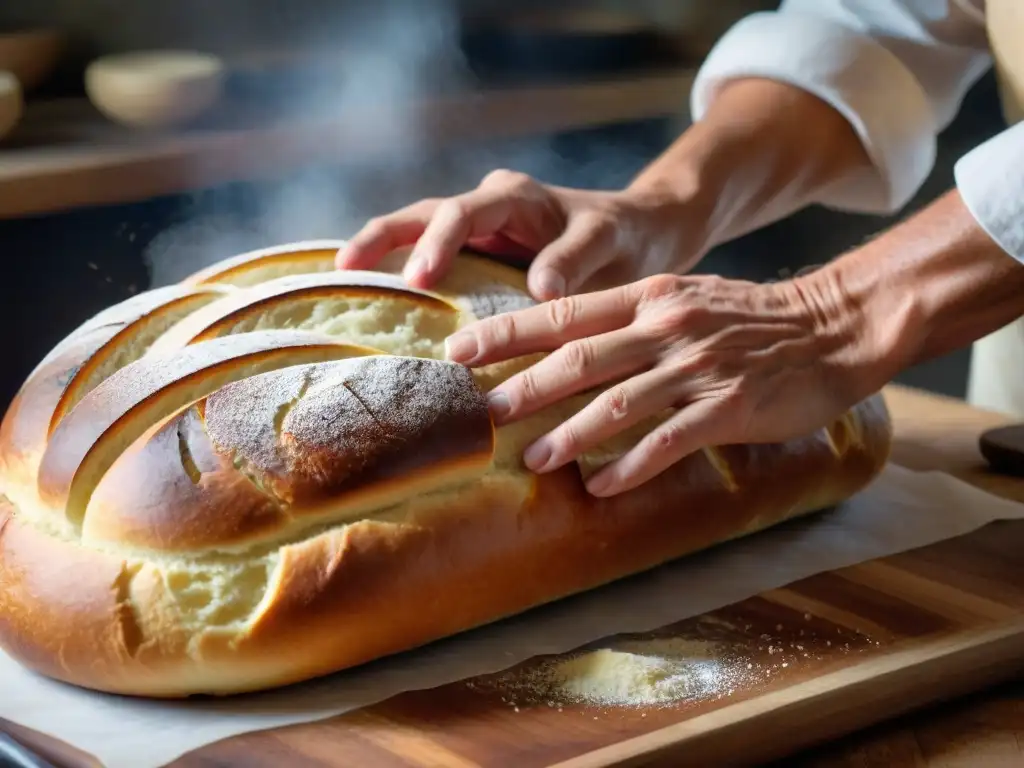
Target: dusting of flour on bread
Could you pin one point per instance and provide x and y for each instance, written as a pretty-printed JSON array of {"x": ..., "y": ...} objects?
[
  {"x": 493, "y": 298},
  {"x": 362, "y": 420}
]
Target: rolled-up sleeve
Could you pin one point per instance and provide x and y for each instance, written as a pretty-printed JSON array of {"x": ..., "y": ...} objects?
[
  {"x": 897, "y": 71},
  {"x": 990, "y": 179}
]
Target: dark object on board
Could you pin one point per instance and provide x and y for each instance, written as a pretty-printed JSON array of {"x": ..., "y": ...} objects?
[{"x": 1003, "y": 449}]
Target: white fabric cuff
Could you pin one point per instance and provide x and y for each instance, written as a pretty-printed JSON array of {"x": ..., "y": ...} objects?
[
  {"x": 990, "y": 179},
  {"x": 856, "y": 75}
]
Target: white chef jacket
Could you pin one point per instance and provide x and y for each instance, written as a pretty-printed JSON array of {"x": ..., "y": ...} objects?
[{"x": 898, "y": 71}]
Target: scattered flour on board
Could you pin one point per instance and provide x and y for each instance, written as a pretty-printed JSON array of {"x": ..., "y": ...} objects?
[
  {"x": 631, "y": 673},
  {"x": 713, "y": 661}
]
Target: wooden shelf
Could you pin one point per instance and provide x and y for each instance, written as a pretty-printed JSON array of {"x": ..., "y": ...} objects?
[{"x": 65, "y": 155}]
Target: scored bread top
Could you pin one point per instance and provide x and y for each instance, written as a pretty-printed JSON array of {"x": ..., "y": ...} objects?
[
  {"x": 96, "y": 349},
  {"x": 317, "y": 443},
  {"x": 107, "y": 428},
  {"x": 125, "y": 345},
  {"x": 373, "y": 303},
  {"x": 123, "y": 406}
]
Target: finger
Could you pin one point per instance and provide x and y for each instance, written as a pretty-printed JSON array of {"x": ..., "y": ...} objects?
[
  {"x": 615, "y": 410},
  {"x": 542, "y": 328},
  {"x": 458, "y": 220},
  {"x": 695, "y": 426},
  {"x": 560, "y": 268},
  {"x": 500, "y": 244},
  {"x": 382, "y": 235},
  {"x": 576, "y": 367}
]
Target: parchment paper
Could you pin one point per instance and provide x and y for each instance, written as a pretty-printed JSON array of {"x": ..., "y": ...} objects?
[{"x": 902, "y": 510}]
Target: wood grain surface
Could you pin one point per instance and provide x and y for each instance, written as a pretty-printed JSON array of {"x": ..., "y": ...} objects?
[
  {"x": 821, "y": 658},
  {"x": 65, "y": 155}
]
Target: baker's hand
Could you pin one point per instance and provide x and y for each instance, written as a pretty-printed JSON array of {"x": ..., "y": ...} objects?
[
  {"x": 740, "y": 362},
  {"x": 579, "y": 238}
]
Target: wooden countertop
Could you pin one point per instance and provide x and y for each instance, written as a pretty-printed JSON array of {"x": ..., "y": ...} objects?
[
  {"x": 65, "y": 155},
  {"x": 987, "y": 729}
]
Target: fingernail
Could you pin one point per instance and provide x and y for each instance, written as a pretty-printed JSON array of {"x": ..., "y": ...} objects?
[
  {"x": 599, "y": 484},
  {"x": 550, "y": 284},
  {"x": 460, "y": 347},
  {"x": 537, "y": 456},
  {"x": 498, "y": 404}
]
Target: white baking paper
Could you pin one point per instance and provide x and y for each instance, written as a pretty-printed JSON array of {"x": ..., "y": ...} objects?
[{"x": 901, "y": 510}]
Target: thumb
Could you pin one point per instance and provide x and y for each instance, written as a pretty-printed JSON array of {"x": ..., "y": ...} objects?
[{"x": 564, "y": 265}]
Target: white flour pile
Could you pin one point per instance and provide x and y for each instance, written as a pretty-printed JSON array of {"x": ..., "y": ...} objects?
[
  {"x": 629, "y": 673},
  {"x": 662, "y": 672}
]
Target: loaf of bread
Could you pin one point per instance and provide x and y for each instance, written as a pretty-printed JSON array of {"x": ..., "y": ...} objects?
[{"x": 269, "y": 473}]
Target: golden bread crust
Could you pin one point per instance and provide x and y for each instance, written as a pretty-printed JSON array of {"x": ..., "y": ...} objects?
[
  {"x": 188, "y": 530},
  {"x": 314, "y": 444}
]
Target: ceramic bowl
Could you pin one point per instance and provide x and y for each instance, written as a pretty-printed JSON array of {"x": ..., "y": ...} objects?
[{"x": 155, "y": 89}]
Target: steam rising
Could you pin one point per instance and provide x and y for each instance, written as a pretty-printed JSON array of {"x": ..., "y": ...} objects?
[{"x": 380, "y": 59}]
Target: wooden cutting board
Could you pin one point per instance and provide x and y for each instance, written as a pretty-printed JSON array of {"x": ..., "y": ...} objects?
[{"x": 820, "y": 658}]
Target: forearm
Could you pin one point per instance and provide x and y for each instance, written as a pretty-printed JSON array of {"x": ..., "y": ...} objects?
[
  {"x": 930, "y": 285},
  {"x": 764, "y": 150},
  {"x": 790, "y": 105}
]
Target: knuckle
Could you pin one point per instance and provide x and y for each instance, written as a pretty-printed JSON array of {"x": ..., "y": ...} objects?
[
  {"x": 659, "y": 286},
  {"x": 562, "y": 312},
  {"x": 374, "y": 228},
  {"x": 614, "y": 404},
  {"x": 499, "y": 332},
  {"x": 425, "y": 209},
  {"x": 566, "y": 441},
  {"x": 453, "y": 209},
  {"x": 506, "y": 179},
  {"x": 671, "y": 318},
  {"x": 599, "y": 224},
  {"x": 667, "y": 439},
  {"x": 577, "y": 357},
  {"x": 526, "y": 386}
]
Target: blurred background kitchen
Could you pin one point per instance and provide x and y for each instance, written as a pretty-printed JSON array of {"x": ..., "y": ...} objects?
[{"x": 305, "y": 117}]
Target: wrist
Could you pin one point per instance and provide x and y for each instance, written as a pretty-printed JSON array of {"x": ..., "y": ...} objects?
[
  {"x": 865, "y": 330},
  {"x": 932, "y": 284},
  {"x": 764, "y": 150},
  {"x": 678, "y": 207}
]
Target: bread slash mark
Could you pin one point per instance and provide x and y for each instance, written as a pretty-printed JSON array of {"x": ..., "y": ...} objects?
[
  {"x": 188, "y": 462},
  {"x": 285, "y": 408},
  {"x": 387, "y": 432}
]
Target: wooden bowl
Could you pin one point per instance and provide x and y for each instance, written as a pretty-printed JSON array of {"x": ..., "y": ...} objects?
[
  {"x": 155, "y": 89},
  {"x": 11, "y": 103},
  {"x": 30, "y": 55}
]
